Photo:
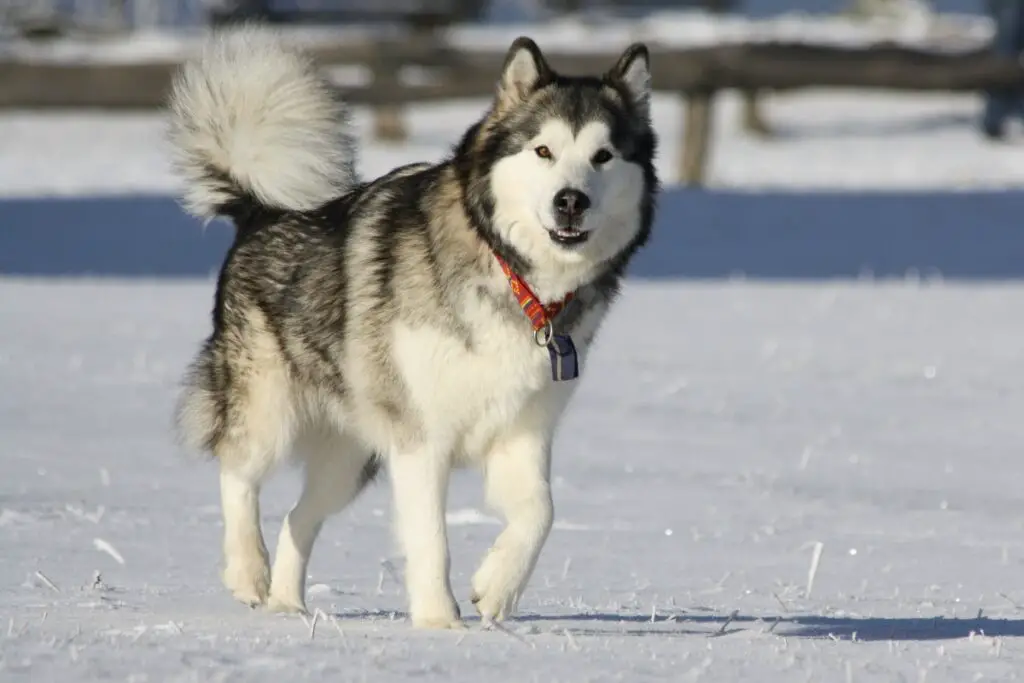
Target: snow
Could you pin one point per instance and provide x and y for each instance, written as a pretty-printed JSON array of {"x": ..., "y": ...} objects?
[
  {"x": 675, "y": 29},
  {"x": 765, "y": 479},
  {"x": 707, "y": 452},
  {"x": 827, "y": 140}
]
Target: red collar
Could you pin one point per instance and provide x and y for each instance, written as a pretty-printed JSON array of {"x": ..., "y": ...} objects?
[{"x": 539, "y": 314}]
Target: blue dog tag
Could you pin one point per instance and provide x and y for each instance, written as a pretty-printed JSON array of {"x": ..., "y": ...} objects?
[{"x": 564, "y": 361}]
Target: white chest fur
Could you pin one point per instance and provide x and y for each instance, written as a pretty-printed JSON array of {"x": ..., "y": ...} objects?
[{"x": 467, "y": 394}]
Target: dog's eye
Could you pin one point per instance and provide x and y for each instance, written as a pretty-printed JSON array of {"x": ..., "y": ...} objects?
[
  {"x": 543, "y": 152},
  {"x": 602, "y": 156}
]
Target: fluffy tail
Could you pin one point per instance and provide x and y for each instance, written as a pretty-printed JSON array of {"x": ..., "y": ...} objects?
[{"x": 253, "y": 122}]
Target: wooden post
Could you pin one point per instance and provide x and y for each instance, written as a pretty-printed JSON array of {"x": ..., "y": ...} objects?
[
  {"x": 697, "y": 128},
  {"x": 388, "y": 121},
  {"x": 753, "y": 121},
  {"x": 116, "y": 18},
  {"x": 389, "y": 124}
]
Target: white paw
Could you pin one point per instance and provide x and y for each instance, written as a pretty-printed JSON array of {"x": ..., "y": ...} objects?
[
  {"x": 286, "y": 605},
  {"x": 286, "y": 593},
  {"x": 496, "y": 606},
  {"x": 439, "y": 623},
  {"x": 497, "y": 587},
  {"x": 248, "y": 579},
  {"x": 438, "y": 614}
]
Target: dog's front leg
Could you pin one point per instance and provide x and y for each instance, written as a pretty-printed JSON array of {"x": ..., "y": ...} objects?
[
  {"x": 516, "y": 475},
  {"x": 419, "y": 481}
]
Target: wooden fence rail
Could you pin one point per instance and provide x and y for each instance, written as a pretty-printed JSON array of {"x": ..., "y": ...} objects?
[{"x": 696, "y": 74}]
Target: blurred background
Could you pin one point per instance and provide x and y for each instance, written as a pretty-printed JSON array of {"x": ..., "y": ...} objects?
[{"x": 799, "y": 138}]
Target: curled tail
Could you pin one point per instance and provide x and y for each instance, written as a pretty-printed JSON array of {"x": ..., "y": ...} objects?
[{"x": 253, "y": 123}]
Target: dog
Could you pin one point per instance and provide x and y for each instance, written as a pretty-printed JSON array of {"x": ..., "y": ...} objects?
[{"x": 433, "y": 318}]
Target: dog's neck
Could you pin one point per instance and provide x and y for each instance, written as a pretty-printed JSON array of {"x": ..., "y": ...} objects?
[{"x": 551, "y": 282}]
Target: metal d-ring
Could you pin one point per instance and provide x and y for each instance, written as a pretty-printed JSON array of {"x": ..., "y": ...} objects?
[{"x": 544, "y": 335}]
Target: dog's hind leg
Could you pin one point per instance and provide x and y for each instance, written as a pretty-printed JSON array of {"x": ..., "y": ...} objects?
[
  {"x": 246, "y": 573},
  {"x": 239, "y": 405},
  {"x": 337, "y": 469},
  {"x": 257, "y": 438}
]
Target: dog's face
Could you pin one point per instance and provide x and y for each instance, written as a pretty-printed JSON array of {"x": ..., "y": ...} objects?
[{"x": 573, "y": 173}]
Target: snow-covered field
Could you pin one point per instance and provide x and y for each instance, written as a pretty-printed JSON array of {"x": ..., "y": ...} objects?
[
  {"x": 827, "y": 140},
  {"x": 723, "y": 430}
]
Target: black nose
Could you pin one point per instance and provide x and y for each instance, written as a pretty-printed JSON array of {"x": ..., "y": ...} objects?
[{"x": 571, "y": 203}]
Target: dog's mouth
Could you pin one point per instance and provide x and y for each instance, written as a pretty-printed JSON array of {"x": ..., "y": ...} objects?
[{"x": 568, "y": 236}]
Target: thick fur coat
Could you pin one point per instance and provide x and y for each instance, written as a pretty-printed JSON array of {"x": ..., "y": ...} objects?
[{"x": 368, "y": 324}]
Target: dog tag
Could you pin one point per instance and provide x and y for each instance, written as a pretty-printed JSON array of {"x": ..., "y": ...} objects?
[{"x": 564, "y": 361}]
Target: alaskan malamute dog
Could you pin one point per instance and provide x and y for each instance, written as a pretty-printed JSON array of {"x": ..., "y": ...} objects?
[{"x": 436, "y": 317}]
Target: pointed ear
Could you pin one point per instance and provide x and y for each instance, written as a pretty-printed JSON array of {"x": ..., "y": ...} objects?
[
  {"x": 525, "y": 69},
  {"x": 633, "y": 70}
]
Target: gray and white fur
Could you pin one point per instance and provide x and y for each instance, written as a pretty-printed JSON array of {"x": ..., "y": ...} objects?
[{"x": 367, "y": 325}]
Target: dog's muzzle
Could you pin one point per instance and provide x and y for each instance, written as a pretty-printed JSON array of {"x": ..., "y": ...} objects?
[{"x": 570, "y": 206}]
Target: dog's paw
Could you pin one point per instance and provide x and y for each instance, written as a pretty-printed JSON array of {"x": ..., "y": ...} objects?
[
  {"x": 495, "y": 590},
  {"x": 438, "y": 623},
  {"x": 495, "y": 607},
  {"x": 248, "y": 580},
  {"x": 281, "y": 605},
  {"x": 442, "y": 615}
]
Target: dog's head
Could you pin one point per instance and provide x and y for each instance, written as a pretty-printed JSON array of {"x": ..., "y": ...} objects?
[{"x": 563, "y": 173}]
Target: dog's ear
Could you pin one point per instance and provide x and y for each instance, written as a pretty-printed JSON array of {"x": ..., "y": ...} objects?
[
  {"x": 525, "y": 70},
  {"x": 633, "y": 70}
]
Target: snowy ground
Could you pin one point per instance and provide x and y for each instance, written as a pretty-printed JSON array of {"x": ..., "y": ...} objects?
[{"x": 722, "y": 431}]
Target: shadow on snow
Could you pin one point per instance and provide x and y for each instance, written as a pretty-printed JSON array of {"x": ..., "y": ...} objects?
[
  {"x": 689, "y": 624},
  {"x": 789, "y": 626},
  {"x": 699, "y": 234}
]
